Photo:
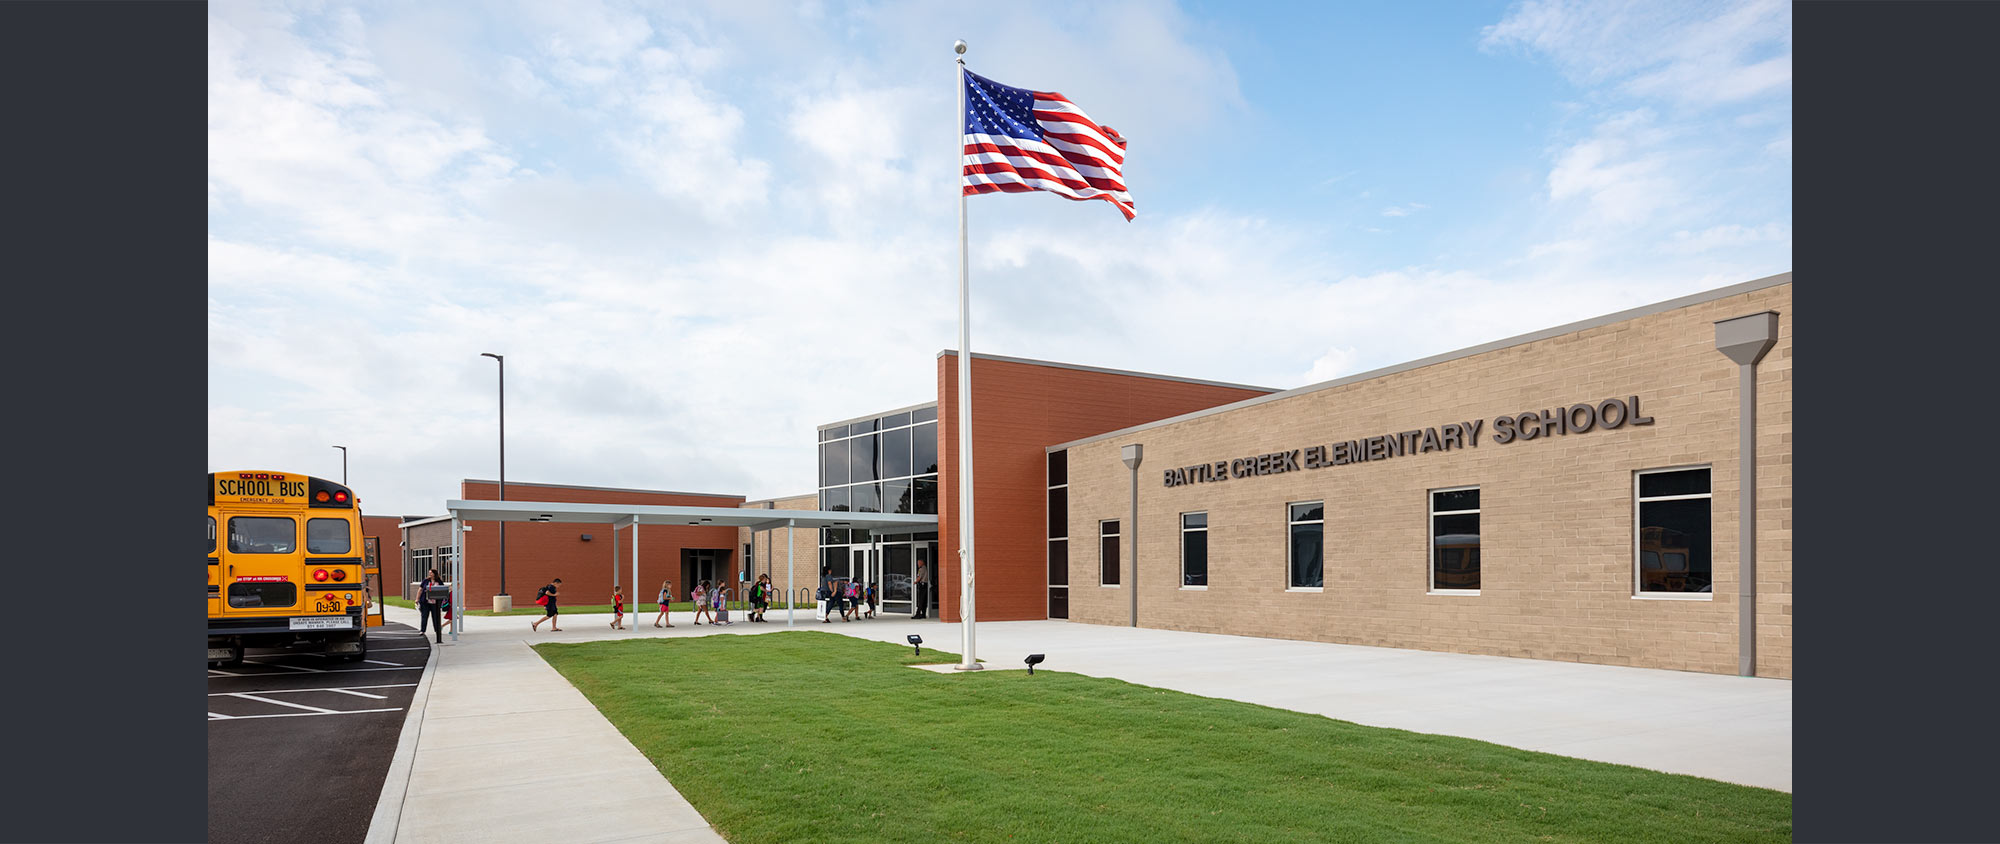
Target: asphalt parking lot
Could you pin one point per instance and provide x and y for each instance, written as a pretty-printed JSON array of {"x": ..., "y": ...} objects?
[{"x": 299, "y": 744}]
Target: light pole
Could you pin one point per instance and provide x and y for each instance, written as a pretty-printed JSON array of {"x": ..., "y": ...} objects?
[
  {"x": 503, "y": 463},
  {"x": 343, "y": 464}
]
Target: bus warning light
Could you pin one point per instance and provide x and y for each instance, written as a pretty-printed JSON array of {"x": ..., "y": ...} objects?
[{"x": 319, "y": 575}]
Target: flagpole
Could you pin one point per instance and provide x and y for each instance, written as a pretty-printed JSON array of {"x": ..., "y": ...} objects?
[{"x": 965, "y": 558}]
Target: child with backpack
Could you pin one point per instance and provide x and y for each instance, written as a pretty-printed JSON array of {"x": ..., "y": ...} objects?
[
  {"x": 850, "y": 602},
  {"x": 666, "y": 603},
  {"x": 617, "y": 609},
  {"x": 717, "y": 598},
  {"x": 871, "y": 600},
  {"x": 700, "y": 596}
]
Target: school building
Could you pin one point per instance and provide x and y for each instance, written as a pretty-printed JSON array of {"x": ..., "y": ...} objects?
[{"x": 1578, "y": 493}]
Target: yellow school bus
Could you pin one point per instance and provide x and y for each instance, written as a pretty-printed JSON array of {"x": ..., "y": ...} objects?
[{"x": 285, "y": 565}]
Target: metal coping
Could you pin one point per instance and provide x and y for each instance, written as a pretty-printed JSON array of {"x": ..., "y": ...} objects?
[
  {"x": 1517, "y": 340},
  {"x": 598, "y": 488},
  {"x": 1081, "y": 368},
  {"x": 424, "y": 521},
  {"x": 876, "y": 415}
]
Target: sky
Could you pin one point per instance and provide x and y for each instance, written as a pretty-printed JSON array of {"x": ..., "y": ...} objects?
[{"x": 699, "y": 230}]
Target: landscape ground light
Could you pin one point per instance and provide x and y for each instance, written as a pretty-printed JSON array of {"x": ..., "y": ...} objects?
[
  {"x": 1031, "y": 660},
  {"x": 917, "y": 642}
]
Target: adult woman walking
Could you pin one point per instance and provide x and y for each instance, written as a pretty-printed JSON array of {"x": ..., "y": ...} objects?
[{"x": 430, "y": 610}]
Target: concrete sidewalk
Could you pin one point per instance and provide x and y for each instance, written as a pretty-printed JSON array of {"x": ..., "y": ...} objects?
[{"x": 500, "y": 748}]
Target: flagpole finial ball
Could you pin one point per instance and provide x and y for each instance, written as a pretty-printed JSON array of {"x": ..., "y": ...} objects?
[{"x": 958, "y": 47}]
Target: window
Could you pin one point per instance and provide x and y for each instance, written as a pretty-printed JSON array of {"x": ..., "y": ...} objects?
[
  {"x": 924, "y": 449},
  {"x": 833, "y": 464},
  {"x": 896, "y": 497},
  {"x": 446, "y": 557},
  {"x": 834, "y": 499},
  {"x": 262, "y": 535},
  {"x": 1673, "y": 533},
  {"x": 1194, "y": 550},
  {"x": 896, "y": 453},
  {"x": 1107, "y": 552},
  {"x": 1455, "y": 540},
  {"x": 1058, "y": 476},
  {"x": 328, "y": 536},
  {"x": 211, "y": 534},
  {"x": 924, "y": 414},
  {"x": 1306, "y": 545},
  {"x": 861, "y": 457},
  {"x": 866, "y": 498},
  {"x": 420, "y": 562},
  {"x": 925, "y": 493}
]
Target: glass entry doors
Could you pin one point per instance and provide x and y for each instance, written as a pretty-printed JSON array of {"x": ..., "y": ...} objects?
[
  {"x": 897, "y": 572},
  {"x": 863, "y": 570}
]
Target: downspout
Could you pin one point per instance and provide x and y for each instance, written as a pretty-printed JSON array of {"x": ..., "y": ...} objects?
[
  {"x": 1132, "y": 455},
  {"x": 1745, "y": 340}
]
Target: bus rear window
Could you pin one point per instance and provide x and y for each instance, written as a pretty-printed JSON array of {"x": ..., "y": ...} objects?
[
  {"x": 262, "y": 535},
  {"x": 328, "y": 536},
  {"x": 211, "y": 534}
]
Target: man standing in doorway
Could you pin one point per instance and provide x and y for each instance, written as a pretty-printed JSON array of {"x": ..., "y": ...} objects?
[{"x": 923, "y": 586}]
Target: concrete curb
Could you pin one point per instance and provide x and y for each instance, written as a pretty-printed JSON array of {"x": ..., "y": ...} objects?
[{"x": 389, "y": 807}]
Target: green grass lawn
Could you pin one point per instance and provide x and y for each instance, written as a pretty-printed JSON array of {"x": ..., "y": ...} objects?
[{"x": 802, "y": 736}]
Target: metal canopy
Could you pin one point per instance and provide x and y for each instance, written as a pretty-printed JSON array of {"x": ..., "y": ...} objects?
[{"x": 654, "y": 514}]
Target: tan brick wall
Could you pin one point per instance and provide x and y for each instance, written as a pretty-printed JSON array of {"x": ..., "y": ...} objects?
[
  {"x": 774, "y": 549},
  {"x": 1556, "y": 519}
]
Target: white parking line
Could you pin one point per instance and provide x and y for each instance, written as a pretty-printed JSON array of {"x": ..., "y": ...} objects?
[
  {"x": 380, "y": 662},
  {"x": 224, "y": 673},
  {"x": 280, "y": 665},
  {"x": 295, "y": 691},
  {"x": 359, "y": 694},
  {"x": 247, "y": 696},
  {"x": 218, "y": 717}
]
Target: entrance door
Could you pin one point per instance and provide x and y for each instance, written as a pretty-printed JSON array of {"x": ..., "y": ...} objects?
[
  {"x": 926, "y": 553},
  {"x": 897, "y": 570},
  {"x": 862, "y": 570}
]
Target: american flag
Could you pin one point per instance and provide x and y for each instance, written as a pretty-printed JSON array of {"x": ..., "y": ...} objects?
[{"x": 1019, "y": 140}]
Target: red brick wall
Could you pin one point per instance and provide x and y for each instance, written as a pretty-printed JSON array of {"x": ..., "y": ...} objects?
[
  {"x": 387, "y": 550},
  {"x": 1018, "y": 410},
  {"x": 539, "y": 552}
]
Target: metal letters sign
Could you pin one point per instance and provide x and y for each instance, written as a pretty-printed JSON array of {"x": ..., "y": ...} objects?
[{"x": 1579, "y": 418}]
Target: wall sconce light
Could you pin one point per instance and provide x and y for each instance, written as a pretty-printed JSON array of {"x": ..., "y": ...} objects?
[{"x": 586, "y": 537}]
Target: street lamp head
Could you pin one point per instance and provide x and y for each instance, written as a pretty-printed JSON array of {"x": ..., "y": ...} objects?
[{"x": 492, "y": 355}]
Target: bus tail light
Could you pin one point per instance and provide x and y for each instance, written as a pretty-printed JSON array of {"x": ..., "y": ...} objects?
[
  {"x": 339, "y": 574},
  {"x": 319, "y": 575},
  {"x": 340, "y": 496}
]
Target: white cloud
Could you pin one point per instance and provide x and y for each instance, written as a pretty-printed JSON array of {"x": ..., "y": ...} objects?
[
  {"x": 1694, "y": 53},
  {"x": 1729, "y": 237}
]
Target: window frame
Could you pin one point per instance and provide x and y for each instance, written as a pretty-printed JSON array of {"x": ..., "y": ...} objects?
[
  {"x": 1638, "y": 503},
  {"x": 1115, "y": 564},
  {"x": 1203, "y": 530},
  {"x": 1431, "y": 534},
  {"x": 1289, "y": 525}
]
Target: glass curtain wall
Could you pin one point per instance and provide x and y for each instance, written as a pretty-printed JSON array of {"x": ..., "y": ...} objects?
[{"x": 885, "y": 464}]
